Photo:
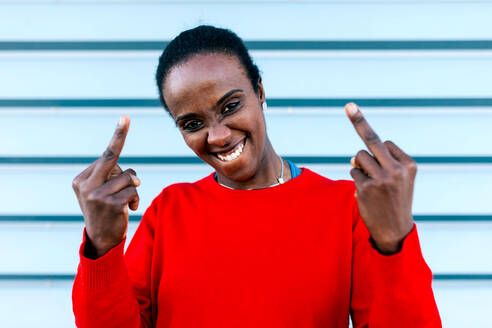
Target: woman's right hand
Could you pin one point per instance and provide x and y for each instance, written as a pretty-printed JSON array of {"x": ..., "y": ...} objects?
[{"x": 105, "y": 193}]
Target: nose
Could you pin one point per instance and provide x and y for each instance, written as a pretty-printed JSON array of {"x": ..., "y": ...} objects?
[{"x": 218, "y": 135}]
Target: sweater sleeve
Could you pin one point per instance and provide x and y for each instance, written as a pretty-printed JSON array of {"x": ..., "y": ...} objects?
[
  {"x": 390, "y": 290},
  {"x": 114, "y": 290}
]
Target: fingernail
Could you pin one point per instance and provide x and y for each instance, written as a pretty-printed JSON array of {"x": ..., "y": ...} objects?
[
  {"x": 122, "y": 121},
  {"x": 352, "y": 108},
  {"x": 352, "y": 161}
]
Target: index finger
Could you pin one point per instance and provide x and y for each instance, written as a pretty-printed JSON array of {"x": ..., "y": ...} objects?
[
  {"x": 109, "y": 158},
  {"x": 367, "y": 134}
]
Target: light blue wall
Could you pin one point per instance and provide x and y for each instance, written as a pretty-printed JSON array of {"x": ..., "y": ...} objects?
[{"x": 456, "y": 248}]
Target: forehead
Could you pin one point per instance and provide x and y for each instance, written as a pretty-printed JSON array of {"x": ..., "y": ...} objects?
[{"x": 203, "y": 79}]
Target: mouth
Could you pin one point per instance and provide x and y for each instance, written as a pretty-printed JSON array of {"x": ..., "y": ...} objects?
[{"x": 233, "y": 153}]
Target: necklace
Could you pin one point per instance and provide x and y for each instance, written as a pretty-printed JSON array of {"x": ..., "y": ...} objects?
[{"x": 280, "y": 179}]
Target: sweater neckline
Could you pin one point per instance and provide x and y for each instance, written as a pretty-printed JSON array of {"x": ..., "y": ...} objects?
[{"x": 292, "y": 183}]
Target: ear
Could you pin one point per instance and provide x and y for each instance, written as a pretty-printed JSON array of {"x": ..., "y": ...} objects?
[{"x": 261, "y": 92}]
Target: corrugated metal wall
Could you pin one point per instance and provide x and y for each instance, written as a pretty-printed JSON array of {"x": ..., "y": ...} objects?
[{"x": 421, "y": 71}]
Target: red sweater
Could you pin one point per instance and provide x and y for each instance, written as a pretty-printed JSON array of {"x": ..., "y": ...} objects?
[{"x": 294, "y": 255}]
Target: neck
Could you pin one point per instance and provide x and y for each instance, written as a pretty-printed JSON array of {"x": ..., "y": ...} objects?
[{"x": 266, "y": 175}]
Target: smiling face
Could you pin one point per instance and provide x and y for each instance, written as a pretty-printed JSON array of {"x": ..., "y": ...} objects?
[{"x": 220, "y": 116}]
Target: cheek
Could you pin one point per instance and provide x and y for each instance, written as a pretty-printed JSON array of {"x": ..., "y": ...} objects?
[
  {"x": 195, "y": 141},
  {"x": 259, "y": 126},
  {"x": 252, "y": 119}
]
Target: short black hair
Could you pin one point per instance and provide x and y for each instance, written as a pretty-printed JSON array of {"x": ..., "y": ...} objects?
[{"x": 204, "y": 39}]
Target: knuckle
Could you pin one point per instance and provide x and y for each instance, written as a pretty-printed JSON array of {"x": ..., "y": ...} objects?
[
  {"x": 360, "y": 153},
  {"x": 371, "y": 137},
  {"x": 381, "y": 183},
  {"x": 412, "y": 164},
  {"x": 83, "y": 190},
  {"x": 378, "y": 183},
  {"x": 397, "y": 172},
  {"x": 129, "y": 178},
  {"x": 93, "y": 197},
  {"x": 119, "y": 132},
  {"x": 361, "y": 187},
  {"x": 112, "y": 201},
  {"x": 96, "y": 198},
  {"x": 359, "y": 118},
  {"x": 108, "y": 154},
  {"x": 75, "y": 184}
]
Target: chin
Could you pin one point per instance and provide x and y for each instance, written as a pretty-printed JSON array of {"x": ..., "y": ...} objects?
[{"x": 240, "y": 170}]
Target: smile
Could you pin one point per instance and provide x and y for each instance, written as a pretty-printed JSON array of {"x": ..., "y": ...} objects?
[{"x": 232, "y": 154}]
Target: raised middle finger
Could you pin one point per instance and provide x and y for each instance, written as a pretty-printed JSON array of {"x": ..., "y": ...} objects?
[
  {"x": 369, "y": 136},
  {"x": 110, "y": 157}
]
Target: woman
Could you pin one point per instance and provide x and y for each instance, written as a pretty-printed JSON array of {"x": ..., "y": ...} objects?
[{"x": 259, "y": 243}]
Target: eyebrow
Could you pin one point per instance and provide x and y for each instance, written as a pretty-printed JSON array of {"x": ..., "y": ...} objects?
[{"x": 224, "y": 97}]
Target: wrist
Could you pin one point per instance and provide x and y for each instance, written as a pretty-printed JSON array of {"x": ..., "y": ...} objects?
[
  {"x": 388, "y": 244},
  {"x": 94, "y": 249},
  {"x": 387, "y": 248},
  {"x": 92, "y": 252}
]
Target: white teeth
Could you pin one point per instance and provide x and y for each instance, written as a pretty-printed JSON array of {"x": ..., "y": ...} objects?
[{"x": 234, "y": 155}]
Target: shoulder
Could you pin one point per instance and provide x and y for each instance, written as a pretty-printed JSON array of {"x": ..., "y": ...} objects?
[
  {"x": 173, "y": 198},
  {"x": 182, "y": 190},
  {"x": 323, "y": 190},
  {"x": 314, "y": 179}
]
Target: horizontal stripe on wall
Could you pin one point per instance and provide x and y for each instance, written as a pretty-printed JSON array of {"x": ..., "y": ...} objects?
[
  {"x": 299, "y": 132},
  {"x": 252, "y": 45},
  {"x": 137, "y": 218},
  {"x": 272, "y": 102},
  {"x": 448, "y": 247},
  {"x": 47, "y": 189},
  {"x": 183, "y": 160},
  {"x": 427, "y": 75},
  {"x": 466, "y": 277}
]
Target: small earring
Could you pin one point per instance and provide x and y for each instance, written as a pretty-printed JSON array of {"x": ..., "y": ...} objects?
[{"x": 264, "y": 105}]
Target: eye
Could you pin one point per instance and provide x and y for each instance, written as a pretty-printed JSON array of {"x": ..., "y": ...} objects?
[
  {"x": 192, "y": 125},
  {"x": 231, "y": 107}
]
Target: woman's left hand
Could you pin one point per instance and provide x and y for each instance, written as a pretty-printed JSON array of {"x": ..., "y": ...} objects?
[{"x": 384, "y": 183}]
